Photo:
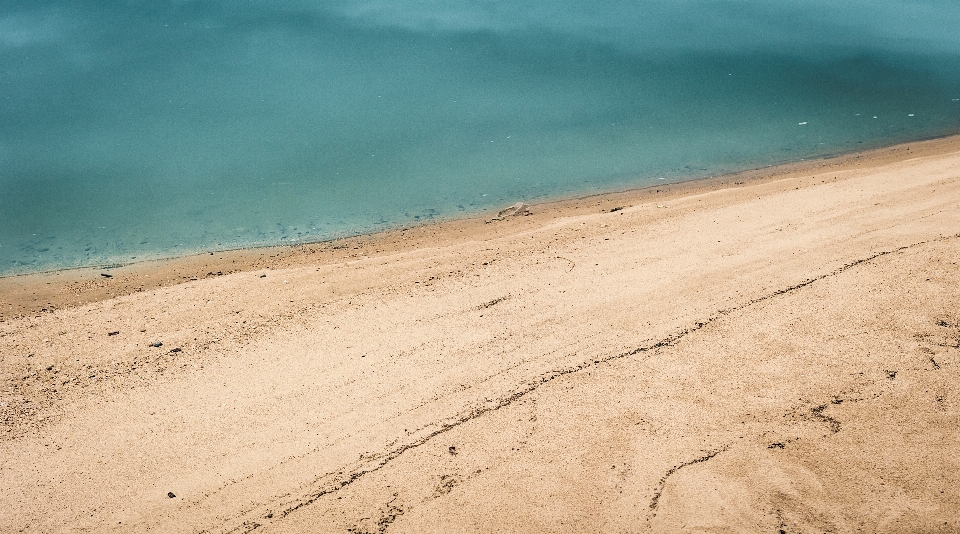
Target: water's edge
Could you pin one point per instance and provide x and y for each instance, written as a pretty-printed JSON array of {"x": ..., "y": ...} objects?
[{"x": 676, "y": 185}]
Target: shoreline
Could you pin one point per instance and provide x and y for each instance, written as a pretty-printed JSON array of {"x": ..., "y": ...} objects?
[
  {"x": 43, "y": 292},
  {"x": 776, "y": 350}
]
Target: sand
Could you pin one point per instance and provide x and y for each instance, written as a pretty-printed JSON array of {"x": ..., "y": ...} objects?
[{"x": 776, "y": 351}]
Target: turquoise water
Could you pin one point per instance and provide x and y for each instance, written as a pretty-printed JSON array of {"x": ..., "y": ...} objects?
[{"x": 132, "y": 130}]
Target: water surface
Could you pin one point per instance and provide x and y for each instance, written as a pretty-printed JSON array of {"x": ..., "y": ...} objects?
[{"x": 131, "y": 130}]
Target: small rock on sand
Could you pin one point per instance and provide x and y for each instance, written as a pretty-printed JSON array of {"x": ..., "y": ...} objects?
[{"x": 517, "y": 209}]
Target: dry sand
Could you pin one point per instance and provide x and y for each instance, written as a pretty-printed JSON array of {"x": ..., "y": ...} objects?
[{"x": 777, "y": 351}]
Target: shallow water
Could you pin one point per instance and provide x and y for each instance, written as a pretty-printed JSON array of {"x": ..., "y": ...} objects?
[{"x": 131, "y": 130}]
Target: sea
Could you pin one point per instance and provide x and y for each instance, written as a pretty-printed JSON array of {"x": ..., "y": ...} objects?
[{"x": 134, "y": 129}]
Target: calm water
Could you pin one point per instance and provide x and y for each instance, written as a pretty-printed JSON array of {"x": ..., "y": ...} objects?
[{"x": 135, "y": 129}]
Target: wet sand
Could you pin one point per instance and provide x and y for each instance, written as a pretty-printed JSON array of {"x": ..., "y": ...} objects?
[{"x": 774, "y": 350}]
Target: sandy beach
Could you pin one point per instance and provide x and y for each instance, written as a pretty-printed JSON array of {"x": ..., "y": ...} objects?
[{"x": 774, "y": 351}]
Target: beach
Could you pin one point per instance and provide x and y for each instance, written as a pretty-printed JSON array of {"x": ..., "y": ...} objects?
[{"x": 771, "y": 351}]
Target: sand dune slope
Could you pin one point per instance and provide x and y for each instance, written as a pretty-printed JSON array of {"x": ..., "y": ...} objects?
[{"x": 779, "y": 355}]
